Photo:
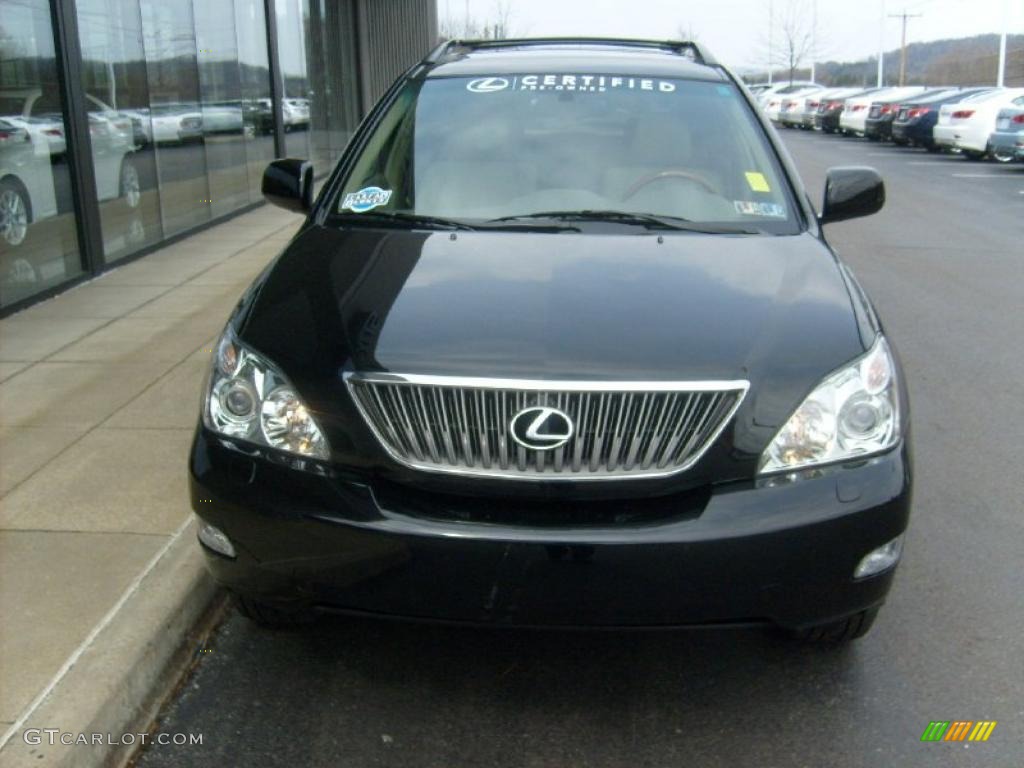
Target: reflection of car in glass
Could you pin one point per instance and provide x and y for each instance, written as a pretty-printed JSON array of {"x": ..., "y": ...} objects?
[
  {"x": 222, "y": 117},
  {"x": 169, "y": 123},
  {"x": 562, "y": 342},
  {"x": 295, "y": 113},
  {"x": 111, "y": 135},
  {"x": 40, "y": 116},
  {"x": 25, "y": 180},
  {"x": 258, "y": 114}
]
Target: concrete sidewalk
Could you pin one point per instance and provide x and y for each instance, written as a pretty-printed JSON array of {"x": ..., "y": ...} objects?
[{"x": 99, "y": 394}]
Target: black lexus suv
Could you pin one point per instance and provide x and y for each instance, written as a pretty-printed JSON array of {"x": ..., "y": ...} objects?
[{"x": 560, "y": 343}]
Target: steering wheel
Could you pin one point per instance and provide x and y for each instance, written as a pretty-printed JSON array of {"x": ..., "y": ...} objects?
[{"x": 650, "y": 178}]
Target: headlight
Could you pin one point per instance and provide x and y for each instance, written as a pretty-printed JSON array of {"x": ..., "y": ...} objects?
[
  {"x": 854, "y": 412},
  {"x": 249, "y": 399}
]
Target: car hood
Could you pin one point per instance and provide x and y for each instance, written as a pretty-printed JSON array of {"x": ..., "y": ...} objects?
[{"x": 773, "y": 310}]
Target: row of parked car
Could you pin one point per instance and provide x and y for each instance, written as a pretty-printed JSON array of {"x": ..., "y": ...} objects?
[{"x": 978, "y": 122}]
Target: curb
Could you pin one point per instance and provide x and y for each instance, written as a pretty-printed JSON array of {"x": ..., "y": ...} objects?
[{"x": 117, "y": 679}]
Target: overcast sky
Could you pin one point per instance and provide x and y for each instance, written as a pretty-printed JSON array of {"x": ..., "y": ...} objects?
[{"x": 736, "y": 30}]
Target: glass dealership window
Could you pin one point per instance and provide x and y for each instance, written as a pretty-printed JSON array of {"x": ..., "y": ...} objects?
[
  {"x": 292, "y": 22},
  {"x": 316, "y": 43},
  {"x": 331, "y": 51},
  {"x": 254, "y": 77},
  {"x": 177, "y": 103},
  {"x": 221, "y": 97},
  {"x": 38, "y": 241},
  {"x": 120, "y": 127},
  {"x": 176, "y": 113}
]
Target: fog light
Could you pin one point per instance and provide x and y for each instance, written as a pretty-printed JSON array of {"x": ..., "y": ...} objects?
[
  {"x": 878, "y": 560},
  {"x": 216, "y": 540}
]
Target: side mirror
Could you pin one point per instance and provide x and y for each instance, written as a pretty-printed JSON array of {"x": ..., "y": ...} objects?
[
  {"x": 852, "y": 192},
  {"x": 288, "y": 183}
]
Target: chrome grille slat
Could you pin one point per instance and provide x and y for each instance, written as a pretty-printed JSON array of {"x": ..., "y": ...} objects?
[{"x": 622, "y": 429}]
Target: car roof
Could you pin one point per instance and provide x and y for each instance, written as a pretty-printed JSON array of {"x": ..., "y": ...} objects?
[
  {"x": 950, "y": 94},
  {"x": 574, "y": 56},
  {"x": 890, "y": 98}
]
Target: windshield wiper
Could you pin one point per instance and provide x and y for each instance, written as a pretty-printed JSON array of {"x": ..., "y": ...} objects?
[
  {"x": 415, "y": 219},
  {"x": 648, "y": 220}
]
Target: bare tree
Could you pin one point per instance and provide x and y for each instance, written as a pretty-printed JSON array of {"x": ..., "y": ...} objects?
[
  {"x": 499, "y": 25},
  {"x": 687, "y": 33},
  {"x": 790, "y": 41}
]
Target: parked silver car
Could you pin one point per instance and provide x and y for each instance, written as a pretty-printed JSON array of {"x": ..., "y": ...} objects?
[{"x": 1007, "y": 142}]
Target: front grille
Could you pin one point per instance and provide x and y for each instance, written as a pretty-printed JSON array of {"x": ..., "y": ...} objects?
[{"x": 621, "y": 429}]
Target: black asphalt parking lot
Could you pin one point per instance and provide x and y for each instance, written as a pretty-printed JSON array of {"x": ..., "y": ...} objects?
[{"x": 943, "y": 262}]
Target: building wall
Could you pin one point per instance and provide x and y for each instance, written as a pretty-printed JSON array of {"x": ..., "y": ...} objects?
[
  {"x": 392, "y": 31},
  {"x": 177, "y": 103}
]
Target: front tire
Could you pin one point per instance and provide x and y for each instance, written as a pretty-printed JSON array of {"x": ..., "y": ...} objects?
[{"x": 838, "y": 632}]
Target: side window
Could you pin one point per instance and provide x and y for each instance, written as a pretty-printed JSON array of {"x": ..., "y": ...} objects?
[{"x": 385, "y": 160}]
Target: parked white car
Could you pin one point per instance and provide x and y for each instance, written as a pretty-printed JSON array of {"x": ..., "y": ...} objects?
[
  {"x": 812, "y": 101},
  {"x": 856, "y": 109},
  {"x": 967, "y": 125},
  {"x": 781, "y": 88},
  {"x": 772, "y": 104},
  {"x": 799, "y": 111}
]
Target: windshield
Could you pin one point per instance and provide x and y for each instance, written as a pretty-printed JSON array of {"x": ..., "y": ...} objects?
[{"x": 512, "y": 147}]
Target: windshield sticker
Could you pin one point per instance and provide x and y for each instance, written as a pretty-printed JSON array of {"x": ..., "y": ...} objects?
[
  {"x": 752, "y": 208},
  {"x": 487, "y": 84},
  {"x": 757, "y": 182},
  {"x": 569, "y": 83},
  {"x": 366, "y": 199}
]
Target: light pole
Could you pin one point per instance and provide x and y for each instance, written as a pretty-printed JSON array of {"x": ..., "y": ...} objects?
[
  {"x": 881, "y": 43},
  {"x": 814, "y": 37},
  {"x": 1001, "y": 74},
  {"x": 903, "y": 42}
]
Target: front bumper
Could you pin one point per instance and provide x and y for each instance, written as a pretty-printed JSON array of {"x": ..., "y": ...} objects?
[{"x": 780, "y": 552}]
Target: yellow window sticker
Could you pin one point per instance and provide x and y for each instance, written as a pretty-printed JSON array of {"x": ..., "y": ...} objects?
[{"x": 757, "y": 181}]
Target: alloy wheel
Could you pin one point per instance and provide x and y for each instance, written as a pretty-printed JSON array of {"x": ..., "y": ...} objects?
[{"x": 13, "y": 216}]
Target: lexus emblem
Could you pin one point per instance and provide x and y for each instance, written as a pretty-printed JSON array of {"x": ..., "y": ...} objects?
[
  {"x": 541, "y": 428},
  {"x": 487, "y": 84}
]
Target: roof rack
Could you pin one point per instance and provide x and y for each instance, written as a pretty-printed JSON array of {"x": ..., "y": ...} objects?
[{"x": 689, "y": 48}]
